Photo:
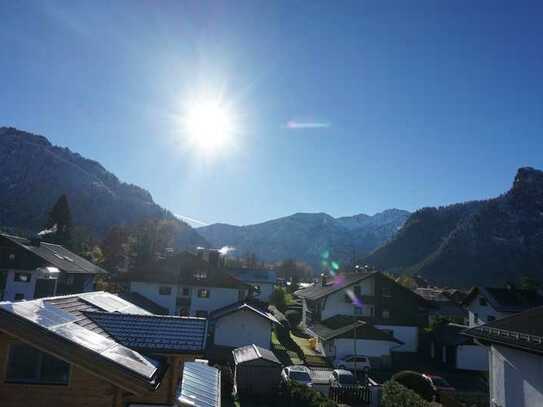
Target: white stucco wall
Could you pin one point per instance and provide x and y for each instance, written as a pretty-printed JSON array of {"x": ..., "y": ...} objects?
[
  {"x": 243, "y": 328},
  {"x": 472, "y": 357},
  {"x": 516, "y": 378},
  {"x": 218, "y": 298},
  {"x": 336, "y": 304},
  {"x": 366, "y": 347},
  {"x": 483, "y": 312},
  {"x": 151, "y": 292},
  {"x": 409, "y": 335},
  {"x": 15, "y": 287}
]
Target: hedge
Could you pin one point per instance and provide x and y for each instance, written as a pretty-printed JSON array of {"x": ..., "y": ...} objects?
[
  {"x": 396, "y": 395},
  {"x": 299, "y": 395}
]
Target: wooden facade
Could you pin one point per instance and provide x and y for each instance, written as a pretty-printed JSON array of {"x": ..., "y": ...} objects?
[{"x": 85, "y": 388}]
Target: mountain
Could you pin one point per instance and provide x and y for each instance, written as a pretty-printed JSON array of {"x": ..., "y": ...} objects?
[
  {"x": 34, "y": 173},
  {"x": 307, "y": 236},
  {"x": 484, "y": 242}
]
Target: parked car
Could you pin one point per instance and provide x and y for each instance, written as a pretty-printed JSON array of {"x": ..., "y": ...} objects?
[
  {"x": 439, "y": 384},
  {"x": 298, "y": 374},
  {"x": 352, "y": 362},
  {"x": 341, "y": 378}
]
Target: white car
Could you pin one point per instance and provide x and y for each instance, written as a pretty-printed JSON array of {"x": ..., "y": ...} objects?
[
  {"x": 341, "y": 378},
  {"x": 352, "y": 362},
  {"x": 298, "y": 374}
]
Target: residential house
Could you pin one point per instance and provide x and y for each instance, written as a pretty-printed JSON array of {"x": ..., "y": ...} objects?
[
  {"x": 341, "y": 335},
  {"x": 371, "y": 297},
  {"x": 487, "y": 304},
  {"x": 257, "y": 371},
  {"x": 515, "y": 345},
  {"x": 30, "y": 268},
  {"x": 186, "y": 285},
  {"x": 448, "y": 347},
  {"x": 262, "y": 281},
  {"x": 93, "y": 349},
  {"x": 442, "y": 306},
  {"x": 241, "y": 324}
]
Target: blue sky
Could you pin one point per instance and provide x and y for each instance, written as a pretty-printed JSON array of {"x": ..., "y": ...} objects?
[{"x": 417, "y": 103}]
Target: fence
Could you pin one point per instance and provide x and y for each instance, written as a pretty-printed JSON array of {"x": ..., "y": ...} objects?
[{"x": 352, "y": 395}]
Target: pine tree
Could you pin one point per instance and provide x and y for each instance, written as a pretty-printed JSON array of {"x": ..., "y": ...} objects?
[{"x": 61, "y": 216}]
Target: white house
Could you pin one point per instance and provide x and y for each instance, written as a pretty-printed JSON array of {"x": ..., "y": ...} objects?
[
  {"x": 450, "y": 348},
  {"x": 261, "y": 281},
  {"x": 34, "y": 269},
  {"x": 186, "y": 285},
  {"x": 486, "y": 304},
  {"x": 515, "y": 344},
  {"x": 242, "y": 324},
  {"x": 371, "y": 297},
  {"x": 340, "y": 336}
]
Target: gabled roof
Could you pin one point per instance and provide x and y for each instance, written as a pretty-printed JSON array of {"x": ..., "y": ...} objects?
[
  {"x": 507, "y": 299},
  {"x": 57, "y": 256},
  {"x": 56, "y": 331},
  {"x": 154, "y": 333},
  {"x": 240, "y": 307},
  {"x": 339, "y": 282},
  {"x": 520, "y": 331},
  {"x": 253, "y": 352},
  {"x": 254, "y": 275},
  {"x": 94, "y": 331},
  {"x": 344, "y": 326},
  {"x": 200, "y": 386}
]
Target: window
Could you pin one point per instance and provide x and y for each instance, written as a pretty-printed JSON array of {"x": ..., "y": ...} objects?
[
  {"x": 386, "y": 314},
  {"x": 386, "y": 292},
  {"x": 165, "y": 290},
  {"x": 28, "y": 365},
  {"x": 22, "y": 277},
  {"x": 11, "y": 257},
  {"x": 475, "y": 317},
  {"x": 186, "y": 292},
  {"x": 200, "y": 275},
  {"x": 482, "y": 301},
  {"x": 490, "y": 318},
  {"x": 203, "y": 293},
  {"x": 201, "y": 314},
  {"x": 241, "y": 295},
  {"x": 19, "y": 296}
]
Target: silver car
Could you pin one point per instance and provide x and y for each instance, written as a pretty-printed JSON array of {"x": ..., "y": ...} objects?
[{"x": 298, "y": 374}]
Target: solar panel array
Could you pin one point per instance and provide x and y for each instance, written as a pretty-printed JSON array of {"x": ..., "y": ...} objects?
[
  {"x": 200, "y": 386},
  {"x": 153, "y": 332},
  {"x": 112, "y": 303},
  {"x": 64, "y": 324}
]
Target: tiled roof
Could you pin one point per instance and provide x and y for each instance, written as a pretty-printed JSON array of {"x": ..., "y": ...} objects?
[
  {"x": 253, "y": 276},
  {"x": 241, "y": 306},
  {"x": 343, "y": 326},
  {"x": 153, "y": 332},
  {"x": 57, "y": 256},
  {"x": 521, "y": 331},
  {"x": 507, "y": 299},
  {"x": 339, "y": 282},
  {"x": 253, "y": 352}
]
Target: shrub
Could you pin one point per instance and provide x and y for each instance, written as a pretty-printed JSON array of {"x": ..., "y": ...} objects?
[
  {"x": 294, "y": 318},
  {"x": 417, "y": 383},
  {"x": 396, "y": 395},
  {"x": 295, "y": 394}
]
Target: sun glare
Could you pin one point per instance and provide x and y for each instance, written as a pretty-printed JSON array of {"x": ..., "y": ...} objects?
[{"x": 209, "y": 125}]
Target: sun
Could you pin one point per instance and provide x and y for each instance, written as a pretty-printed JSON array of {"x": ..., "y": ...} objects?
[{"x": 209, "y": 124}]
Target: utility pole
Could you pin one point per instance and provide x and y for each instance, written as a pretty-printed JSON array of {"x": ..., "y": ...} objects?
[{"x": 354, "y": 344}]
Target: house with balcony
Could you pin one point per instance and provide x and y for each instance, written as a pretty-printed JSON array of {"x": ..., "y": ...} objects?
[
  {"x": 96, "y": 349},
  {"x": 487, "y": 304},
  {"x": 515, "y": 363},
  {"x": 371, "y": 297},
  {"x": 186, "y": 285},
  {"x": 31, "y": 268},
  {"x": 262, "y": 281}
]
